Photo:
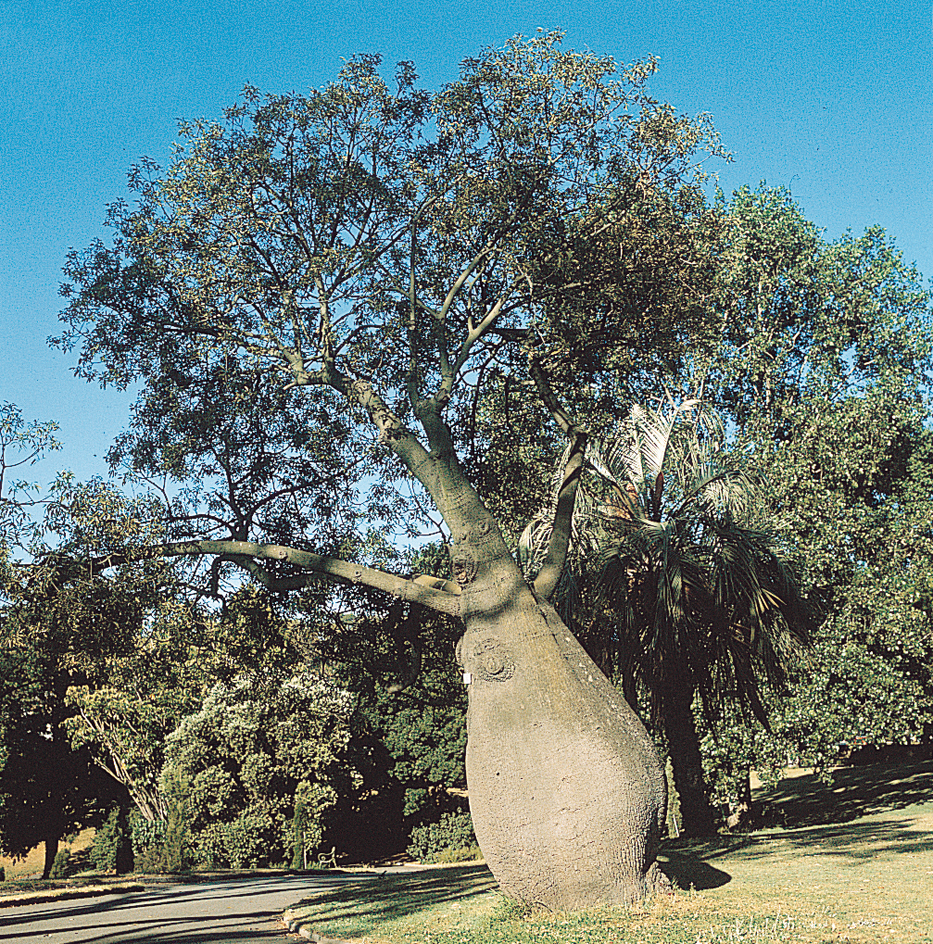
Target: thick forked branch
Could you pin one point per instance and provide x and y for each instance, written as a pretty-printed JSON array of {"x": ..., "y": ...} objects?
[
  {"x": 553, "y": 566},
  {"x": 247, "y": 554}
]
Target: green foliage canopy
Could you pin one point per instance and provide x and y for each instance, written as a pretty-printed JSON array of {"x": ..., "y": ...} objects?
[
  {"x": 823, "y": 369},
  {"x": 361, "y": 257}
]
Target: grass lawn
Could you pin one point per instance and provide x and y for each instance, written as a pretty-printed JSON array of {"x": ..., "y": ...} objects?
[{"x": 851, "y": 862}]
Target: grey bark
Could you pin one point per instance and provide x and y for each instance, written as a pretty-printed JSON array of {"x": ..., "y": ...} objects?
[{"x": 567, "y": 792}]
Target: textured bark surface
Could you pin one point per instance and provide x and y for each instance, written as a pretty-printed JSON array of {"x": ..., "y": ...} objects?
[{"x": 567, "y": 792}]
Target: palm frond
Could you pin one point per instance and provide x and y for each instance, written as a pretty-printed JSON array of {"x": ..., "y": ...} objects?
[{"x": 665, "y": 565}]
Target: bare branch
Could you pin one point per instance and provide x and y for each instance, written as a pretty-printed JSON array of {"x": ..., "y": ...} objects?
[{"x": 247, "y": 554}]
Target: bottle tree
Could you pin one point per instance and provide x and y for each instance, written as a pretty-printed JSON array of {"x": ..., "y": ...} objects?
[{"x": 314, "y": 298}]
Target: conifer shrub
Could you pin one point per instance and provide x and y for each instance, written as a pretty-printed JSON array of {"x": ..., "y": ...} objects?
[
  {"x": 112, "y": 849},
  {"x": 60, "y": 863}
]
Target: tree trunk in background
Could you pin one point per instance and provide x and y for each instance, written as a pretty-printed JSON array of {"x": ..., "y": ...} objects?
[
  {"x": 124, "y": 860},
  {"x": 744, "y": 812},
  {"x": 698, "y": 817},
  {"x": 567, "y": 792},
  {"x": 51, "y": 850}
]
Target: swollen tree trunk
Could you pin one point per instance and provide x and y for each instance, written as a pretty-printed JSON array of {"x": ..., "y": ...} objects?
[
  {"x": 697, "y": 814},
  {"x": 567, "y": 792}
]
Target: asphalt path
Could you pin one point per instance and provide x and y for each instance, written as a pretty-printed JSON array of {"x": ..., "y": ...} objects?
[{"x": 225, "y": 911}]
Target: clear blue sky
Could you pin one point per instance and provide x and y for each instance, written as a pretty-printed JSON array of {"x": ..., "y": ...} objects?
[{"x": 831, "y": 98}]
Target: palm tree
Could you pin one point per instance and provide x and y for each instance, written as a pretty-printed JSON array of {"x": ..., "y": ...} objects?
[{"x": 673, "y": 587}]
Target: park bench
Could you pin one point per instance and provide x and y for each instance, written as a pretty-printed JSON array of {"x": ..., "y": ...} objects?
[{"x": 328, "y": 860}]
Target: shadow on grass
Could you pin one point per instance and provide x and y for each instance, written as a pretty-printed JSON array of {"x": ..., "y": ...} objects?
[
  {"x": 811, "y": 817},
  {"x": 688, "y": 870},
  {"x": 855, "y": 840},
  {"x": 852, "y": 793},
  {"x": 391, "y": 896},
  {"x": 689, "y": 861}
]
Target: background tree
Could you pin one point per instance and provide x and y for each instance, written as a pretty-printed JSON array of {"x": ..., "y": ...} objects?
[
  {"x": 251, "y": 755},
  {"x": 676, "y": 587},
  {"x": 47, "y": 789},
  {"x": 35, "y": 806},
  {"x": 347, "y": 263},
  {"x": 854, "y": 485},
  {"x": 59, "y": 621},
  {"x": 138, "y": 696},
  {"x": 803, "y": 321},
  {"x": 22, "y": 444},
  {"x": 822, "y": 369},
  {"x": 139, "y": 700}
]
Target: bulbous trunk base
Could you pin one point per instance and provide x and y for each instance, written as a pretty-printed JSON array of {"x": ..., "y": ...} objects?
[{"x": 567, "y": 792}]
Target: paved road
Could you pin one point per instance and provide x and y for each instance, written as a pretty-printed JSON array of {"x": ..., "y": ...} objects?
[{"x": 230, "y": 911}]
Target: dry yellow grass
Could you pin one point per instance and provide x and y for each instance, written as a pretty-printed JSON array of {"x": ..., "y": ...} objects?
[{"x": 31, "y": 866}]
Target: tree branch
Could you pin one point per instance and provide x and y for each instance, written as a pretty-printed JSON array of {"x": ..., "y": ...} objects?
[
  {"x": 442, "y": 596},
  {"x": 549, "y": 398},
  {"x": 553, "y": 566},
  {"x": 549, "y": 575}
]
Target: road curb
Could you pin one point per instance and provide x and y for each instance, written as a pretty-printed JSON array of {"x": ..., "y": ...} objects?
[{"x": 296, "y": 926}]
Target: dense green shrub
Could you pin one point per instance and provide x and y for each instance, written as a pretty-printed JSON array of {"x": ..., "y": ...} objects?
[
  {"x": 410, "y": 735},
  {"x": 440, "y": 841},
  {"x": 60, "y": 863},
  {"x": 148, "y": 842},
  {"x": 242, "y": 843},
  {"x": 254, "y": 752},
  {"x": 112, "y": 849},
  {"x": 165, "y": 845}
]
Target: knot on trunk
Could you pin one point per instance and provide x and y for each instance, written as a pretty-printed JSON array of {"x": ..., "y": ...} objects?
[
  {"x": 464, "y": 566},
  {"x": 487, "y": 659}
]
